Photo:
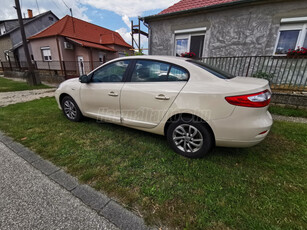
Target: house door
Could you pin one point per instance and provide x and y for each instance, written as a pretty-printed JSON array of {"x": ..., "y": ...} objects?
[{"x": 81, "y": 65}]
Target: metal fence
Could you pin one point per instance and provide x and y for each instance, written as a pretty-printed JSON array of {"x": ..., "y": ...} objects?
[
  {"x": 283, "y": 73},
  {"x": 68, "y": 69}
]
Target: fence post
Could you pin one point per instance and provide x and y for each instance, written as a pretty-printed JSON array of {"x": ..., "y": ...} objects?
[
  {"x": 249, "y": 63},
  {"x": 64, "y": 69},
  {"x": 35, "y": 65}
]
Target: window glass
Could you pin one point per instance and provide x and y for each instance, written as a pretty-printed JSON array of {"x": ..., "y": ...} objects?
[
  {"x": 177, "y": 74},
  {"x": 197, "y": 45},
  {"x": 213, "y": 70},
  {"x": 287, "y": 40},
  {"x": 46, "y": 54},
  {"x": 149, "y": 71},
  {"x": 113, "y": 72},
  {"x": 305, "y": 42},
  {"x": 181, "y": 46}
]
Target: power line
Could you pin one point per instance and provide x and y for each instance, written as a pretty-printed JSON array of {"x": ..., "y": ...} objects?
[
  {"x": 65, "y": 4},
  {"x": 57, "y": 6},
  {"x": 37, "y": 7}
]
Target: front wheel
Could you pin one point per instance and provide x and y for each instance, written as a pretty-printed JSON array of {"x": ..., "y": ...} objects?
[
  {"x": 190, "y": 138},
  {"x": 71, "y": 109}
]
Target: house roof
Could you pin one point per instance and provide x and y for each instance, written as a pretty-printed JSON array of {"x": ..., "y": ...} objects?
[
  {"x": 91, "y": 45},
  {"x": 83, "y": 31},
  {"x": 27, "y": 21},
  {"x": 192, "y": 4}
]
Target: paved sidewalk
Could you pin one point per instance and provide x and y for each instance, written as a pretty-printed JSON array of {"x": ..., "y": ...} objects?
[
  {"x": 8, "y": 98},
  {"x": 290, "y": 119},
  {"x": 35, "y": 194}
]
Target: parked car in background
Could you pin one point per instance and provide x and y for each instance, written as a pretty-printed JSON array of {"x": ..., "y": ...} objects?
[{"x": 193, "y": 104}]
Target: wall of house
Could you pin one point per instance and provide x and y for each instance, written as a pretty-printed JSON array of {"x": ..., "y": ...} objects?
[
  {"x": 251, "y": 29},
  {"x": 32, "y": 28},
  {"x": 5, "y": 44},
  {"x": 37, "y": 44}
]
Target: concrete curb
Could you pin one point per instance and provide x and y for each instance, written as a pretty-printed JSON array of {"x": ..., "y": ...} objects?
[{"x": 103, "y": 205}]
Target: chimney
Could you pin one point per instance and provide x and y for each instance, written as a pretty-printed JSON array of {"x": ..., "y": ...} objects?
[{"x": 30, "y": 13}]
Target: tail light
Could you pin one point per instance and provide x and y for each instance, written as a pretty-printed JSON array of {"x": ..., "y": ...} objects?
[{"x": 261, "y": 99}]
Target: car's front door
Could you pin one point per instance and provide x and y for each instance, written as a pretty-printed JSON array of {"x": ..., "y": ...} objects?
[
  {"x": 152, "y": 88},
  {"x": 100, "y": 98}
]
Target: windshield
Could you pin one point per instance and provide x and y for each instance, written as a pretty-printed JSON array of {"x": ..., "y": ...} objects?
[{"x": 215, "y": 71}]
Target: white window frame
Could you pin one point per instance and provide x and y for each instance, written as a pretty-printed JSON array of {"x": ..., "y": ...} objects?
[
  {"x": 296, "y": 24},
  {"x": 187, "y": 34},
  {"x": 42, "y": 50}
]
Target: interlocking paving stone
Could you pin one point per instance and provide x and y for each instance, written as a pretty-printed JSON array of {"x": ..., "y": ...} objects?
[
  {"x": 65, "y": 180},
  {"x": 121, "y": 217},
  {"x": 45, "y": 166},
  {"x": 16, "y": 147},
  {"x": 91, "y": 197},
  {"x": 29, "y": 156}
]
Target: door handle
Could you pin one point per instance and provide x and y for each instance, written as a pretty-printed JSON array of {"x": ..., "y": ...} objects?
[
  {"x": 112, "y": 94},
  {"x": 162, "y": 97}
]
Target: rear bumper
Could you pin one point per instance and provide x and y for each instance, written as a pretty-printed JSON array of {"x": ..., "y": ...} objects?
[{"x": 243, "y": 127}]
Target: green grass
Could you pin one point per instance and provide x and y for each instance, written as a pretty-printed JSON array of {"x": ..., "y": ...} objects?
[
  {"x": 263, "y": 187},
  {"x": 290, "y": 112},
  {"x": 7, "y": 85}
]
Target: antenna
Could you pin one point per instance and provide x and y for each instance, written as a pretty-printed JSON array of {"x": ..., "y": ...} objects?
[{"x": 72, "y": 19}]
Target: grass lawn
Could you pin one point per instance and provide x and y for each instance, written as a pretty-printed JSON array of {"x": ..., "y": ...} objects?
[
  {"x": 263, "y": 187},
  {"x": 7, "y": 85},
  {"x": 288, "y": 111}
]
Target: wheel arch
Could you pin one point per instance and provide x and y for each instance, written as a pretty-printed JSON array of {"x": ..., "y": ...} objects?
[{"x": 188, "y": 116}]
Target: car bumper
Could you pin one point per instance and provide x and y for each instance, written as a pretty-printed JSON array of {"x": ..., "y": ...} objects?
[{"x": 244, "y": 128}]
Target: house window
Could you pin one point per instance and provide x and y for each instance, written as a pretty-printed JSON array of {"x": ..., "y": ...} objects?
[
  {"x": 46, "y": 53},
  {"x": 190, "y": 40},
  {"x": 291, "y": 36}
]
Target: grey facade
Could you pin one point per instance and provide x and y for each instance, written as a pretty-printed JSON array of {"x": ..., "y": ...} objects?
[
  {"x": 247, "y": 28},
  {"x": 32, "y": 26}
]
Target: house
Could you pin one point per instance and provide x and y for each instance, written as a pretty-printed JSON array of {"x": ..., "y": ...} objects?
[
  {"x": 74, "y": 44},
  {"x": 11, "y": 48},
  {"x": 226, "y": 28}
]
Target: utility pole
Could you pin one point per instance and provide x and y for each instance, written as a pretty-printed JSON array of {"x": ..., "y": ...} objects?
[{"x": 30, "y": 74}]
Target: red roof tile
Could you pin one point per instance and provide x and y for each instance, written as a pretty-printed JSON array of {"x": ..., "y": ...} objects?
[
  {"x": 92, "y": 45},
  {"x": 193, "y": 4},
  {"x": 84, "y": 31}
]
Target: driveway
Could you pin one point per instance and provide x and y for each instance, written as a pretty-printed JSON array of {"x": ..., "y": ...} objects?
[{"x": 8, "y": 98}]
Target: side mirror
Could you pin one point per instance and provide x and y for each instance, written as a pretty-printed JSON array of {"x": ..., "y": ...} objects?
[{"x": 84, "y": 79}]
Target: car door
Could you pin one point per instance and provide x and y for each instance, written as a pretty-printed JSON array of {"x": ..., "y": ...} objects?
[
  {"x": 100, "y": 98},
  {"x": 151, "y": 89}
]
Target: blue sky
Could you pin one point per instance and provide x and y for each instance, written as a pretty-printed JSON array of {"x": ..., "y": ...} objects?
[{"x": 112, "y": 14}]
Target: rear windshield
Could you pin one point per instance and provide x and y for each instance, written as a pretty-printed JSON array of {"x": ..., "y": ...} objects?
[{"x": 215, "y": 71}]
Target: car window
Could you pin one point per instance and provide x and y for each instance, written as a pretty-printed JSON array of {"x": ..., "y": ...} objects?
[
  {"x": 215, "y": 71},
  {"x": 113, "y": 72},
  {"x": 178, "y": 74},
  {"x": 150, "y": 71}
]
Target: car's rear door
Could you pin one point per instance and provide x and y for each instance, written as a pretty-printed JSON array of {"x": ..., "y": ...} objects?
[
  {"x": 149, "y": 92},
  {"x": 100, "y": 98}
]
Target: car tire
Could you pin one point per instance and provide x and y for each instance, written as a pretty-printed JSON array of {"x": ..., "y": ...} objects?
[
  {"x": 190, "y": 138},
  {"x": 71, "y": 109}
]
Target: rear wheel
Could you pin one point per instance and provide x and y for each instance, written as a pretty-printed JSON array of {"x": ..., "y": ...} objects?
[
  {"x": 71, "y": 109},
  {"x": 190, "y": 138}
]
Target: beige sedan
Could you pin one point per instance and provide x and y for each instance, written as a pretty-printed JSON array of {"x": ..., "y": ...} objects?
[{"x": 193, "y": 104}]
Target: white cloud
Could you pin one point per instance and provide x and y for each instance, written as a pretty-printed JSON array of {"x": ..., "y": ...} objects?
[
  {"x": 130, "y": 8},
  {"x": 56, "y": 6},
  {"x": 127, "y": 37},
  {"x": 126, "y": 20}
]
